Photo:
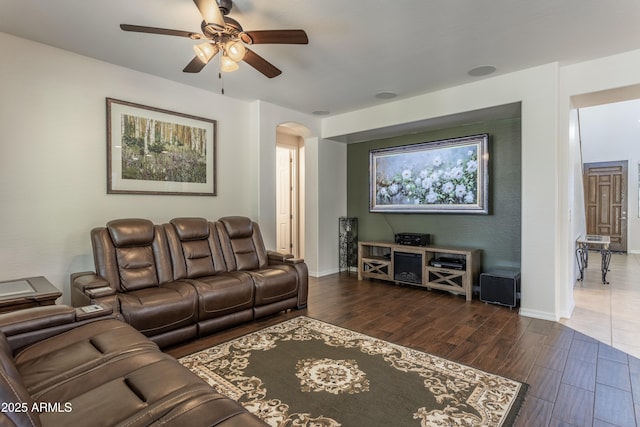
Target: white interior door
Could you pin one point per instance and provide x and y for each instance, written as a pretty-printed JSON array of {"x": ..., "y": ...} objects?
[{"x": 284, "y": 185}]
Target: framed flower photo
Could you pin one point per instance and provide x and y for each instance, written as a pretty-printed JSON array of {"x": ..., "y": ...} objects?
[{"x": 446, "y": 176}]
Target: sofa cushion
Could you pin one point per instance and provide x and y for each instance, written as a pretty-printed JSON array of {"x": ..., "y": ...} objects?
[
  {"x": 149, "y": 389},
  {"x": 13, "y": 391},
  {"x": 106, "y": 373},
  {"x": 198, "y": 260},
  {"x": 194, "y": 247},
  {"x": 237, "y": 226},
  {"x": 77, "y": 351},
  {"x": 224, "y": 294},
  {"x": 160, "y": 309},
  {"x": 130, "y": 232},
  {"x": 137, "y": 268},
  {"x": 246, "y": 256},
  {"x": 191, "y": 228},
  {"x": 275, "y": 284},
  {"x": 241, "y": 243}
]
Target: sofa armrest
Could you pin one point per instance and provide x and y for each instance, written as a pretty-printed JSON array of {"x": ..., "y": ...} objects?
[
  {"x": 93, "y": 311},
  {"x": 102, "y": 291},
  {"x": 89, "y": 282},
  {"x": 88, "y": 288},
  {"x": 282, "y": 258},
  {"x": 277, "y": 257},
  {"x": 25, "y": 327},
  {"x": 36, "y": 318}
]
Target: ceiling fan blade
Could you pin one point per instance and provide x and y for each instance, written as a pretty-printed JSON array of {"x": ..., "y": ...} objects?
[
  {"x": 195, "y": 66},
  {"x": 261, "y": 64},
  {"x": 275, "y": 36},
  {"x": 154, "y": 30},
  {"x": 210, "y": 12}
]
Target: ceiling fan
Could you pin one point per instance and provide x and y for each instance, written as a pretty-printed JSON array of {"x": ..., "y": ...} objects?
[{"x": 221, "y": 33}]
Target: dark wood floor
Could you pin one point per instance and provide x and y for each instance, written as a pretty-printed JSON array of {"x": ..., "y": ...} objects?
[{"x": 574, "y": 380}]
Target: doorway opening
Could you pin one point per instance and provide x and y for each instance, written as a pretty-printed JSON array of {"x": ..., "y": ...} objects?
[
  {"x": 605, "y": 195},
  {"x": 609, "y": 131},
  {"x": 289, "y": 191},
  {"x": 604, "y": 159}
]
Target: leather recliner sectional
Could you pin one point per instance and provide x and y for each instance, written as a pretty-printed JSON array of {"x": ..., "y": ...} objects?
[
  {"x": 190, "y": 277},
  {"x": 62, "y": 367}
]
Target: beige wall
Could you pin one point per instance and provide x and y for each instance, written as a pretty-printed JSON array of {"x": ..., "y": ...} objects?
[
  {"x": 325, "y": 178},
  {"x": 551, "y": 206},
  {"x": 611, "y": 78},
  {"x": 536, "y": 89},
  {"x": 53, "y": 167},
  {"x": 53, "y": 158}
]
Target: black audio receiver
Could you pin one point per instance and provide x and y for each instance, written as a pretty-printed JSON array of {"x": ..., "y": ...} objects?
[{"x": 413, "y": 239}]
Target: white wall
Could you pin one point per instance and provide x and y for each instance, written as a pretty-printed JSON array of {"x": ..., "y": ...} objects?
[
  {"x": 549, "y": 155},
  {"x": 325, "y": 184},
  {"x": 611, "y": 132},
  {"x": 53, "y": 157},
  {"x": 574, "y": 205},
  {"x": 537, "y": 90},
  {"x": 53, "y": 166},
  {"x": 332, "y": 202},
  {"x": 53, "y": 161},
  {"x": 610, "y": 78}
]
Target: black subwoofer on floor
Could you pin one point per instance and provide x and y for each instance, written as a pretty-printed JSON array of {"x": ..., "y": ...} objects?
[{"x": 500, "y": 287}]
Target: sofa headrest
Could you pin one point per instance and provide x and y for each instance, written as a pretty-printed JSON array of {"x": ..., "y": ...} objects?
[
  {"x": 237, "y": 226},
  {"x": 131, "y": 232},
  {"x": 191, "y": 228}
]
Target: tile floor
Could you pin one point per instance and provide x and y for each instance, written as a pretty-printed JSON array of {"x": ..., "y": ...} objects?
[{"x": 609, "y": 313}]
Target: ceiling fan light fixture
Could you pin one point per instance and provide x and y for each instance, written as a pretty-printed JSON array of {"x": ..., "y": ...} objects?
[
  {"x": 224, "y": 35},
  {"x": 205, "y": 51},
  {"x": 235, "y": 50},
  {"x": 227, "y": 64}
]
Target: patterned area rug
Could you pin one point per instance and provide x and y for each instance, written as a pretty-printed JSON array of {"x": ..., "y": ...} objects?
[{"x": 304, "y": 372}]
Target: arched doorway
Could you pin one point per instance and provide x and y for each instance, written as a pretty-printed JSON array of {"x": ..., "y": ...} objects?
[{"x": 290, "y": 188}]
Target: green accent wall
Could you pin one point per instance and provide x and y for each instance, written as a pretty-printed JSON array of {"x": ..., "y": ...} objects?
[{"x": 497, "y": 234}]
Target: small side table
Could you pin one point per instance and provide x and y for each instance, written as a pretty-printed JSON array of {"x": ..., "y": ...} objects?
[
  {"x": 582, "y": 253},
  {"x": 27, "y": 292}
]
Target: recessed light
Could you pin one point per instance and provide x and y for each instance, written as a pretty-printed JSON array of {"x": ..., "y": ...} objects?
[
  {"x": 483, "y": 70},
  {"x": 386, "y": 95},
  {"x": 321, "y": 113}
]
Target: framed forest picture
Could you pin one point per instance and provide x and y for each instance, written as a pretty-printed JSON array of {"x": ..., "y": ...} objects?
[{"x": 155, "y": 151}]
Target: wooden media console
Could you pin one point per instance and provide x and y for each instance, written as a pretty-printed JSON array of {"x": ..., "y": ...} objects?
[{"x": 455, "y": 271}]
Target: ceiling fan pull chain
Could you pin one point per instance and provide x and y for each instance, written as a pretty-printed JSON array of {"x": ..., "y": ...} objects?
[{"x": 221, "y": 82}]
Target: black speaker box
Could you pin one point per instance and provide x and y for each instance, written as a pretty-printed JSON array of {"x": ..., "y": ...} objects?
[{"x": 500, "y": 287}]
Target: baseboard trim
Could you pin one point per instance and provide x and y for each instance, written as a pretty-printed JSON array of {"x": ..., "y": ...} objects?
[
  {"x": 536, "y": 314},
  {"x": 322, "y": 273},
  {"x": 567, "y": 314}
]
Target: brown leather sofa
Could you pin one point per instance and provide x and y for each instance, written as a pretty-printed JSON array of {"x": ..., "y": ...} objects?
[
  {"x": 60, "y": 367},
  {"x": 190, "y": 277}
]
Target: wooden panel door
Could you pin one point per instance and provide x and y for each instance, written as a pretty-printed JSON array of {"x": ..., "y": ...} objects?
[{"x": 605, "y": 194}]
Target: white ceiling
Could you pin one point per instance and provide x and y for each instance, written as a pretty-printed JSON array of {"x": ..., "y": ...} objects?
[{"x": 356, "y": 48}]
